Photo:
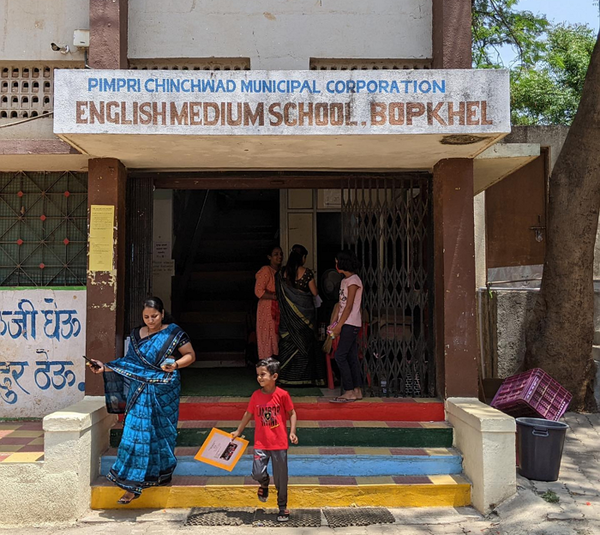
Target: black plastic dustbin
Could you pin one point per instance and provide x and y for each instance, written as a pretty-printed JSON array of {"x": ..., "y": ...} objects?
[{"x": 539, "y": 446}]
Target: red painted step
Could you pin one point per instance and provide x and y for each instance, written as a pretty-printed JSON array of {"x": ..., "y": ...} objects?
[{"x": 394, "y": 410}]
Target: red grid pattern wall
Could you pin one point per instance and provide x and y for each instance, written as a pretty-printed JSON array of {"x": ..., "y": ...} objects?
[{"x": 43, "y": 229}]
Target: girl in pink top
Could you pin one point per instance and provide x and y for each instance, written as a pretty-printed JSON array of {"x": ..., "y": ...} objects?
[{"x": 348, "y": 324}]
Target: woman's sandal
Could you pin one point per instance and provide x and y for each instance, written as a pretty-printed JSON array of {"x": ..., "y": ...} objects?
[
  {"x": 123, "y": 501},
  {"x": 263, "y": 493},
  {"x": 341, "y": 400},
  {"x": 283, "y": 516}
]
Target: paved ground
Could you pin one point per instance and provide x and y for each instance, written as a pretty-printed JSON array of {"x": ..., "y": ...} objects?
[{"x": 577, "y": 511}]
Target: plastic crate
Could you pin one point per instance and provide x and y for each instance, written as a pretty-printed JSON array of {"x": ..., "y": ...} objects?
[{"x": 532, "y": 393}]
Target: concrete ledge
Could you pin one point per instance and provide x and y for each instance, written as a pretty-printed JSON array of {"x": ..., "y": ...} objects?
[
  {"x": 78, "y": 417},
  {"x": 57, "y": 490},
  {"x": 499, "y": 161},
  {"x": 480, "y": 416},
  {"x": 486, "y": 438}
]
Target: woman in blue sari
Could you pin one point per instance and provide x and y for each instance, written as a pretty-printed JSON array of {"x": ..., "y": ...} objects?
[{"x": 144, "y": 385}]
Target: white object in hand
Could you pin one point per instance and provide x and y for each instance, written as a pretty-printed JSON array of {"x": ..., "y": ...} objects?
[{"x": 168, "y": 362}]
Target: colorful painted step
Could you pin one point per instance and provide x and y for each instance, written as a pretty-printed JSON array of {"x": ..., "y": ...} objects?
[
  {"x": 304, "y": 492},
  {"x": 328, "y": 433},
  {"x": 319, "y": 408},
  {"x": 307, "y": 461}
]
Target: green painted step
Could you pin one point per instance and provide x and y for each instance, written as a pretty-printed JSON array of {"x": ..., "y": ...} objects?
[{"x": 329, "y": 433}]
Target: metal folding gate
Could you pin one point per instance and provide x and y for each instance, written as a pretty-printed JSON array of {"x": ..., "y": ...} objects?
[
  {"x": 387, "y": 222},
  {"x": 138, "y": 253}
]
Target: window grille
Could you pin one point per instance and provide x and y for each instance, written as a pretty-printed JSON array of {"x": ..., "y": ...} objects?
[
  {"x": 27, "y": 90},
  {"x": 325, "y": 64},
  {"x": 43, "y": 229},
  {"x": 188, "y": 64}
]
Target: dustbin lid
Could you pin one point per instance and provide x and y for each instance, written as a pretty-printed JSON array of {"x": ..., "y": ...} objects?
[{"x": 542, "y": 423}]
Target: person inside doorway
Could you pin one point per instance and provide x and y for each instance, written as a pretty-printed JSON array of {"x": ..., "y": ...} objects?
[
  {"x": 347, "y": 326},
  {"x": 267, "y": 312},
  {"x": 296, "y": 288},
  {"x": 144, "y": 385}
]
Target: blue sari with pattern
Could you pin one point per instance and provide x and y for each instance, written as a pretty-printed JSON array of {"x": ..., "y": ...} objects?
[{"x": 149, "y": 398}]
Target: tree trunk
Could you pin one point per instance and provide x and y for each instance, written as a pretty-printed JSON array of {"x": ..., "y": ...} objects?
[{"x": 561, "y": 330}]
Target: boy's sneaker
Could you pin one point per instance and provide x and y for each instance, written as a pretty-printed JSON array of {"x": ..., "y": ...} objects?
[
  {"x": 263, "y": 493},
  {"x": 283, "y": 516}
]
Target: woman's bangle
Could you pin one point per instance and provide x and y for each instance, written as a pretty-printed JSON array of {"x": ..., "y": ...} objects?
[{"x": 176, "y": 365}]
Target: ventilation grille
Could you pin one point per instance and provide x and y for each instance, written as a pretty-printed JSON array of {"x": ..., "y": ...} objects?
[
  {"x": 27, "y": 90},
  {"x": 43, "y": 229},
  {"x": 368, "y": 64},
  {"x": 187, "y": 64}
]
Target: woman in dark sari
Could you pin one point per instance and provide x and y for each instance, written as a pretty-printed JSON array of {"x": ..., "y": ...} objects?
[
  {"x": 298, "y": 353},
  {"x": 144, "y": 385}
]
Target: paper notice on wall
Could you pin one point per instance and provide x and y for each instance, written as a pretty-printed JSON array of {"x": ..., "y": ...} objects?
[
  {"x": 162, "y": 250},
  {"x": 101, "y": 253},
  {"x": 163, "y": 267},
  {"x": 332, "y": 198}
]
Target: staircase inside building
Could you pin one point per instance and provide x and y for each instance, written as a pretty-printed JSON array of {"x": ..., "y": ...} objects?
[
  {"x": 377, "y": 452},
  {"x": 217, "y": 306}
]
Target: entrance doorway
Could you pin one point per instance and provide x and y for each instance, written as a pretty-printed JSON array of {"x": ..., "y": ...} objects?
[{"x": 222, "y": 238}]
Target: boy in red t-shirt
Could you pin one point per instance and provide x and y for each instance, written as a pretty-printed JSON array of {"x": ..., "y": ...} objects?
[{"x": 271, "y": 406}]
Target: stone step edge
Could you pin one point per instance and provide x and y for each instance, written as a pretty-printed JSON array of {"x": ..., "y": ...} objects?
[
  {"x": 323, "y": 465},
  {"x": 317, "y": 408},
  {"x": 190, "y": 451},
  {"x": 313, "y": 399},
  {"x": 312, "y": 424},
  {"x": 247, "y": 481},
  {"x": 307, "y": 492}
]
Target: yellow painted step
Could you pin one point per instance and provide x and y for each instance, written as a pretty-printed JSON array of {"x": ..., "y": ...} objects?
[{"x": 304, "y": 492}]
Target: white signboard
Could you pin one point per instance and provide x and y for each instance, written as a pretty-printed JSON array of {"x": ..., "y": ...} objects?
[
  {"x": 281, "y": 102},
  {"x": 42, "y": 340}
]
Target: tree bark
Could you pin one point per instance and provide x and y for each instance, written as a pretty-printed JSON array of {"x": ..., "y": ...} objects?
[{"x": 561, "y": 330}]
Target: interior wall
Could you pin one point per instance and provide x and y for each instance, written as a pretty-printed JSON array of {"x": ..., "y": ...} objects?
[
  {"x": 512, "y": 207},
  {"x": 163, "y": 266},
  {"x": 298, "y": 223}
]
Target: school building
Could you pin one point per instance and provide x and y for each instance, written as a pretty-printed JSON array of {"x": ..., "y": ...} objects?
[{"x": 161, "y": 148}]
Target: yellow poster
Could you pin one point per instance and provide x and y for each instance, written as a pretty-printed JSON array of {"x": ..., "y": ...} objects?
[
  {"x": 102, "y": 219},
  {"x": 220, "y": 450}
]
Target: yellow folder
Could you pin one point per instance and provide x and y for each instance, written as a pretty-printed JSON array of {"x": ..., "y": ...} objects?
[{"x": 220, "y": 450}]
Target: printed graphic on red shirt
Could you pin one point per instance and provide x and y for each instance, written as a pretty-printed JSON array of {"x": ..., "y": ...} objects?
[{"x": 270, "y": 416}]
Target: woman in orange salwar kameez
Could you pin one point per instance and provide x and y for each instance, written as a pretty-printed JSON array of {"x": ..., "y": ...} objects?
[{"x": 267, "y": 313}]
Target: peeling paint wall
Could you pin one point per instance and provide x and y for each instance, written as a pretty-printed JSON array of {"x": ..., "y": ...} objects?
[
  {"x": 42, "y": 340},
  {"x": 277, "y": 34}
]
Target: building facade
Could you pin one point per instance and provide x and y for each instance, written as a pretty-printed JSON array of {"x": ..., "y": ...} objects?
[{"x": 147, "y": 147}]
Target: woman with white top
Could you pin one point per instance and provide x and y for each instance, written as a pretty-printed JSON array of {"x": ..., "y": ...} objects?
[{"x": 347, "y": 327}]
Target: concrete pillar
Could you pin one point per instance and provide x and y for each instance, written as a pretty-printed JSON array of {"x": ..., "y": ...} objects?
[
  {"x": 106, "y": 185},
  {"x": 108, "y": 34},
  {"x": 105, "y": 289},
  {"x": 454, "y": 266},
  {"x": 452, "y": 34}
]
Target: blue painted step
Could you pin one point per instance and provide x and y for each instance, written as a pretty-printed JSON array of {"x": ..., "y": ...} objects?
[{"x": 377, "y": 462}]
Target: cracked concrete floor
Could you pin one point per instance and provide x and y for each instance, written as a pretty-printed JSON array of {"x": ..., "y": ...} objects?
[{"x": 577, "y": 511}]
